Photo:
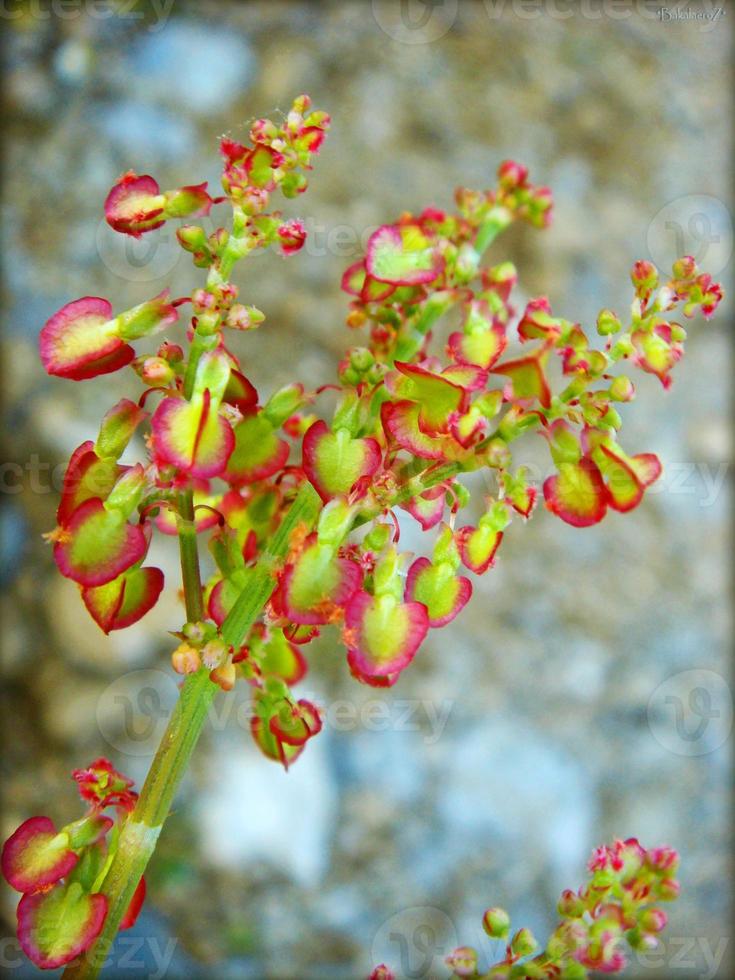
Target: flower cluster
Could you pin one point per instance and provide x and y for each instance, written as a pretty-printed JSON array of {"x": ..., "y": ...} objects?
[
  {"x": 617, "y": 907},
  {"x": 410, "y": 419},
  {"x": 300, "y": 510},
  {"x": 59, "y": 872}
]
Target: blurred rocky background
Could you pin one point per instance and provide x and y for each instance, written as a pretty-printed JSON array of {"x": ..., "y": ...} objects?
[{"x": 584, "y": 694}]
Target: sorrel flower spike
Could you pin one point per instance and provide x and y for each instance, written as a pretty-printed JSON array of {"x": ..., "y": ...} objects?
[
  {"x": 617, "y": 908},
  {"x": 299, "y": 512}
]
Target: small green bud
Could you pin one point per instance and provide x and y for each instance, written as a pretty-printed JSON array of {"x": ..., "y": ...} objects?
[
  {"x": 608, "y": 323},
  {"x": 361, "y": 359},
  {"x": 378, "y": 537},
  {"x": 489, "y": 403},
  {"x": 335, "y": 522},
  {"x": 523, "y": 943},
  {"x": 496, "y": 923},
  {"x": 283, "y": 403},
  {"x": 622, "y": 389},
  {"x": 570, "y": 905},
  {"x": 193, "y": 238},
  {"x": 463, "y": 961}
]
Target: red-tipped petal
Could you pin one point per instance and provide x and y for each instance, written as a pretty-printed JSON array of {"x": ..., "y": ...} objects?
[
  {"x": 136, "y": 904},
  {"x": 482, "y": 348},
  {"x": 134, "y": 205},
  {"x": 55, "y": 927},
  {"x": 577, "y": 493},
  {"x": 334, "y": 462},
  {"x": 353, "y": 278},
  {"x": 401, "y": 424},
  {"x": 477, "y": 547},
  {"x": 98, "y": 545},
  {"x": 647, "y": 467},
  {"x": 427, "y": 508},
  {"x": 192, "y": 436},
  {"x": 527, "y": 379},
  {"x": 80, "y": 341},
  {"x": 125, "y": 600},
  {"x": 270, "y": 746},
  {"x": 439, "y": 588},
  {"x": 117, "y": 429},
  {"x": 438, "y": 397},
  {"x": 240, "y": 392},
  {"x": 258, "y": 452},
  {"x": 36, "y": 856},
  {"x": 383, "y": 634},
  {"x": 86, "y": 476},
  {"x": 296, "y": 723},
  {"x": 402, "y": 256},
  {"x": 470, "y": 377},
  {"x": 222, "y": 598},
  {"x": 317, "y": 584},
  {"x": 372, "y": 680}
]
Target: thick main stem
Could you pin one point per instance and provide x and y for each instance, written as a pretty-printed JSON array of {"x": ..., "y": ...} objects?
[{"x": 141, "y": 830}]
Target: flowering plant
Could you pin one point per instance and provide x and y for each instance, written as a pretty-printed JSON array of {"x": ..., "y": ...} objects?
[
  {"x": 299, "y": 513},
  {"x": 616, "y": 907}
]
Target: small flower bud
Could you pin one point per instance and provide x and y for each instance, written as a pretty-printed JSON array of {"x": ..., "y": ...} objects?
[
  {"x": 378, "y": 538},
  {"x": 382, "y": 972},
  {"x": 155, "y": 371},
  {"x": 523, "y": 943},
  {"x": 224, "y": 675},
  {"x": 496, "y": 923},
  {"x": 644, "y": 276},
  {"x": 263, "y": 131},
  {"x": 570, "y": 905},
  {"x": 195, "y": 632},
  {"x": 192, "y": 237},
  {"x": 292, "y": 235},
  {"x": 512, "y": 174},
  {"x": 663, "y": 859},
  {"x": 668, "y": 890},
  {"x": 185, "y": 659},
  {"x": 622, "y": 389},
  {"x": 608, "y": 323},
  {"x": 214, "y": 654},
  {"x": 355, "y": 319},
  {"x": 653, "y": 920},
  {"x": 171, "y": 352},
  {"x": 242, "y": 317},
  {"x": 463, "y": 961},
  {"x": 684, "y": 268},
  {"x": 292, "y": 184}
]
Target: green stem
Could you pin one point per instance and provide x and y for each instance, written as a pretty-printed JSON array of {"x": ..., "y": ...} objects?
[
  {"x": 497, "y": 220},
  {"x": 141, "y": 830},
  {"x": 188, "y": 550}
]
